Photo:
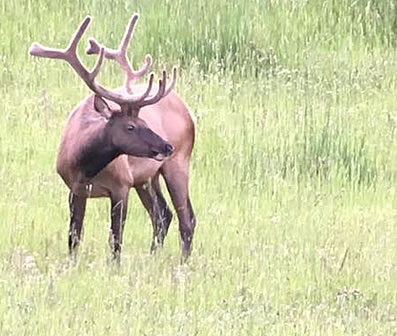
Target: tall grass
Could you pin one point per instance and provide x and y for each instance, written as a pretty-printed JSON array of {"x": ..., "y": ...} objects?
[{"x": 292, "y": 179}]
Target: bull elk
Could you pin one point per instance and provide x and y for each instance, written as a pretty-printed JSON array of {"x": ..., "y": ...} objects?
[{"x": 118, "y": 139}]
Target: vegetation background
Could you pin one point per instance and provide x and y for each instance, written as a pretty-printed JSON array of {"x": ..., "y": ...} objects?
[{"x": 293, "y": 177}]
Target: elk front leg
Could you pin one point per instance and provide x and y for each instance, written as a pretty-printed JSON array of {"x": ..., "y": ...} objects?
[
  {"x": 77, "y": 206},
  {"x": 159, "y": 212},
  {"x": 119, "y": 205}
]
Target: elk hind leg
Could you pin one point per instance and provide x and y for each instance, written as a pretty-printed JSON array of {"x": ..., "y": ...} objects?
[
  {"x": 119, "y": 205},
  {"x": 176, "y": 177},
  {"x": 160, "y": 214}
]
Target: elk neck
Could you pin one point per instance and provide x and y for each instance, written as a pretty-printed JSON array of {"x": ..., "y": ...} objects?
[{"x": 97, "y": 154}]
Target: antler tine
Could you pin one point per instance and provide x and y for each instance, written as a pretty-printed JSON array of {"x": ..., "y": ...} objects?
[
  {"x": 160, "y": 92},
  {"x": 95, "y": 47},
  {"x": 149, "y": 88},
  {"x": 72, "y": 47},
  {"x": 128, "y": 33},
  {"x": 120, "y": 55},
  {"x": 173, "y": 82},
  {"x": 36, "y": 49},
  {"x": 123, "y": 50},
  {"x": 98, "y": 65},
  {"x": 129, "y": 80}
]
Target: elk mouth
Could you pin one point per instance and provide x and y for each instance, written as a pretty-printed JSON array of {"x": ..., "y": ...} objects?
[{"x": 161, "y": 156}]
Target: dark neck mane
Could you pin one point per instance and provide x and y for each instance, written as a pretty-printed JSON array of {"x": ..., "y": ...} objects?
[{"x": 96, "y": 155}]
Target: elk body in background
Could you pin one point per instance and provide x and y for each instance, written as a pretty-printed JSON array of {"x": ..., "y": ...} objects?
[{"x": 118, "y": 139}]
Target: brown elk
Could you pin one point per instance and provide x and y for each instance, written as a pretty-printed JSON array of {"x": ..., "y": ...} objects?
[{"x": 118, "y": 139}]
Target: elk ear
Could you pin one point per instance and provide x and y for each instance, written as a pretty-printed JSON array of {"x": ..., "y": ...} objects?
[{"x": 102, "y": 107}]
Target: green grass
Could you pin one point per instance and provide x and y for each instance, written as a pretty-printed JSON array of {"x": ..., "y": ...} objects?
[{"x": 293, "y": 177}]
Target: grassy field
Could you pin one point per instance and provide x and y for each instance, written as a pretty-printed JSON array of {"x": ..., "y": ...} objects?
[{"x": 293, "y": 177}]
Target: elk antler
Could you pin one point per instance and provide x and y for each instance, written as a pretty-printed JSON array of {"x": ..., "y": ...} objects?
[
  {"x": 70, "y": 55},
  {"x": 120, "y": 55}
]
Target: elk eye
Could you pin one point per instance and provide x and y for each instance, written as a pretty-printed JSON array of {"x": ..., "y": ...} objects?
[{"x": 131, "y": 127}]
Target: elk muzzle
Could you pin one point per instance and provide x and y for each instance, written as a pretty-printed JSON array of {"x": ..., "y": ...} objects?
[{"x": 167, "y": 151}]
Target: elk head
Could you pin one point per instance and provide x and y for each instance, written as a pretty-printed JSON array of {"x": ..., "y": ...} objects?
[
  {"x": 124, "y": 130},
  {"x": 129, "y": 134}
]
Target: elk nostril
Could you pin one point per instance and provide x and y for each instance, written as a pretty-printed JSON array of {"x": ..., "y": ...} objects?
[{"x": 169, "y": 149}]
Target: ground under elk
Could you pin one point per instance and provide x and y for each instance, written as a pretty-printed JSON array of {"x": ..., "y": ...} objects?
[{"x": 115, "y": 140}]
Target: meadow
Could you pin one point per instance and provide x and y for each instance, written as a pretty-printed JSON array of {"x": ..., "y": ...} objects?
[{"x": 293, "y": 176}]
